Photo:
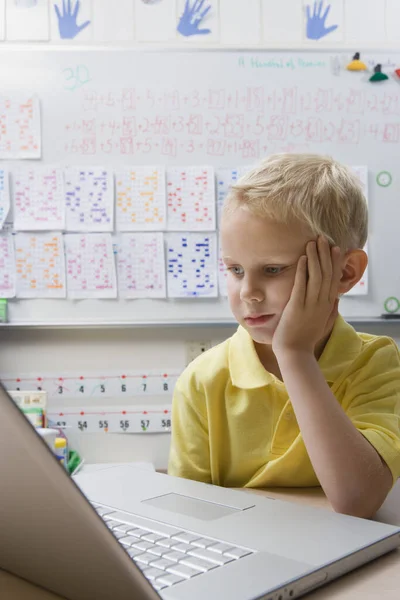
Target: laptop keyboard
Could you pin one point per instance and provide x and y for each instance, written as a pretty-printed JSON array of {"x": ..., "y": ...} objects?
[{"x": 168, "y": 555}]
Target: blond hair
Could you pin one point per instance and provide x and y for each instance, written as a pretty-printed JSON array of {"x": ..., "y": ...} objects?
[{"x": 315, "y": 190}]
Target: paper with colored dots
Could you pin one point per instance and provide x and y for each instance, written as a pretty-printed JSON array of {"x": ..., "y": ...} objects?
[
  {"x": 90, "y": 265},
  {"x": 141, "y": 202},
  {"x": 89, "y": 199},
  {"x": 225, "y": 179},
  {"x": 39, "y": 199},
  {"x": 191, "y": 199},
  {"x": 141, "y": 265},
  {"x": 192, "y": 265},
  {"x": 20, "y": 135},
  {"x": 222, "y": 272},
  {"x": 4, "y": 197},
  {"x": 7, "y": 266},
  {"x": 40, "y": 265}
]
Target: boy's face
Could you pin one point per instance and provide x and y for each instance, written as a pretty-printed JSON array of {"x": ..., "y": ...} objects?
[{"x": 261, "y": 257}]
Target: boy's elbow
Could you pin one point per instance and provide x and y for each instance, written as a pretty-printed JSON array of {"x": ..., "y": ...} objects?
[{"x": 364, "y": 506}]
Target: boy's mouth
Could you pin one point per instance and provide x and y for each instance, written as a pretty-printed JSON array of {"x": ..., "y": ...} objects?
[{"x": 257, "y": 320}]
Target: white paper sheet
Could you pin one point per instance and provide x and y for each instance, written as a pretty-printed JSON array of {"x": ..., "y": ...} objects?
[
  {"x": 365, "y": 21},
  {"x": 240, "y": 22},
  {"x": 191, "y": 199},
  {"x": 27, "y": 20},
  {"x": 282, "y": 21},
  {"x": 89, "y": 199},
  {"x": 7, "y": 266},
  {"x": 141, "y": 199},
  {"x": 90, "y": 265},
  {"x": 113, "y": 21},
  {"x": 2, "y": 19},
  {"x": 20, "y": 127},
  {"x": 4, "y": 196},
  {"x": 38, "y": 201},
  {"x": 40, "y": 265},
  {"x": 141, "y": 265},
  {"x": 192, "y": 265}
]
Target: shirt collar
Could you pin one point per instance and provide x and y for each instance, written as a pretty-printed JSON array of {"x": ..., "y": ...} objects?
[{"x": 247, "y": 372}]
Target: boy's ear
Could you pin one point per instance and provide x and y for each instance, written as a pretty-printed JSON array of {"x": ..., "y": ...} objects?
[{"x": 354, "y": 264}]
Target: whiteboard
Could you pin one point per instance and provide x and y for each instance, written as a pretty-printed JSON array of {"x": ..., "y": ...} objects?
[{"x": 224, "y": 109}]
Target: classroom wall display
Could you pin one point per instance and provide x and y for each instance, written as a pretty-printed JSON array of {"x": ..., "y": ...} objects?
[
  {"x": 310, "y": 24},
  {"x": 89, "y": 402},
  {"x": 204, "y": 120}
]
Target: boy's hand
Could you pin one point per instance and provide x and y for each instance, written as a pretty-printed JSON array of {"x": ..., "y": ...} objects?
[{"x": 313, "y": 300}]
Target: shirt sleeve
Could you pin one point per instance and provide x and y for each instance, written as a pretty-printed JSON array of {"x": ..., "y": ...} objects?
[
  {"x": 189, "y": 453},
  {"x": 373, "y": 404}
]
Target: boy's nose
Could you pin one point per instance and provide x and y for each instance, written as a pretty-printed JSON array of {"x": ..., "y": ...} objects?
[{"x": 251, "y": 293}]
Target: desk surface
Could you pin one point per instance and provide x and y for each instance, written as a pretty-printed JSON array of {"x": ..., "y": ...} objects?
[{"x": 381, "y": 578}]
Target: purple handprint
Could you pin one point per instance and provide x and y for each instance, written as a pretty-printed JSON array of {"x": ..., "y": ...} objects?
[
  {"x": 191, "y": 18},
  {"x": 316, "y": 22},
  {"x": 67, "y": 24}
]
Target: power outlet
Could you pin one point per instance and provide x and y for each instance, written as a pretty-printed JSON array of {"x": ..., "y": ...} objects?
[{"x": 194, "y": 349}]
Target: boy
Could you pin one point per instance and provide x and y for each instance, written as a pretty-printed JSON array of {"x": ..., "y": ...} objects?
[{"x": 295, "y": 397}]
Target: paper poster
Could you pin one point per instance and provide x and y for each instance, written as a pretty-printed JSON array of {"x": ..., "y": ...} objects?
[
  {"x": 2, "y": 19},
  {"x": 114, "y": 21},
  {"x": 222, "y": 272},
  {"x": 39, "y": 202},
  {"x": 141, "y": 265},
  {"x": 141, "y": 199},
  {"x": 198, "y": 21},
  {"x": 192, "y": 265},
  {"x": 27, "y": 20},
  {"x": 155, "y": 21},
  {"x": 323, "y": 21},
  {"x": 20, "y": 135},
  {"x": 240, "y": 22},
  {"x": 40, "y": 265},
  {"x": 365, "y": 21},
  {"x": 225, "y": 179},
  {"x": 191, "y": 198},
  {"x": 7, "y": 266},
  {"x": 4, "y": 196},
  {"x": 282, "y": 21},
  {"x": 89, "y": 199},
  {"x": 71, "y": 20},
  {"x": 90, "y": 265}
]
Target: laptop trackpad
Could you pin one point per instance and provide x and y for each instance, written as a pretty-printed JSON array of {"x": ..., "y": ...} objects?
[{"x": 191, "y": 507}]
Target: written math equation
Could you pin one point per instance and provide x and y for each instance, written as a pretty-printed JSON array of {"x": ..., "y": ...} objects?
[{"x": 238, "y": 123}]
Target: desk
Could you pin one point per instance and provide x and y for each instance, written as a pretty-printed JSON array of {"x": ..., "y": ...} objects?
[{"x": 379, "y": 579}]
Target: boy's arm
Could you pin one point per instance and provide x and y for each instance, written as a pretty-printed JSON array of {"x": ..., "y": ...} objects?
[
  {"x": 354, "y": 477},
  {"x": 352, "y": 474},
  {"x": 189, "y": 455}
]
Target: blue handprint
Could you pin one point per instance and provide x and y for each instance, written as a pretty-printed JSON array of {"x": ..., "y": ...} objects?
[
  {"x": 191, "y": 18},
  {"x": 67, "y": 24},
  {"x": 316, "y": 22}
]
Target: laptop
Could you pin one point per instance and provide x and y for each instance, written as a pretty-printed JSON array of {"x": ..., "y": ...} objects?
[{"x": 128, "y": 533}]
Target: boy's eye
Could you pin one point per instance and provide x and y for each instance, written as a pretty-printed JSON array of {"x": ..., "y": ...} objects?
[
  {"x": 274, "y": 270},
  {"x": 236, "y": 270}
]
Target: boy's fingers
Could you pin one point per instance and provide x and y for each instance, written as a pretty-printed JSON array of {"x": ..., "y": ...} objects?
[
  {"x": 314, "y": 273},
  {"x": 336, "y": 273},
  {"x": 325, "y": 260},
  {"x": 300, "y": 282}
]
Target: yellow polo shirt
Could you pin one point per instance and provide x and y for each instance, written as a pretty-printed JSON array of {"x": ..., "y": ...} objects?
[{"x": 233, "y": 423}]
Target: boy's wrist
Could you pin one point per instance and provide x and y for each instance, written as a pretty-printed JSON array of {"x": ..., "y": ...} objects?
[{"x": 292, "y": 355}]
